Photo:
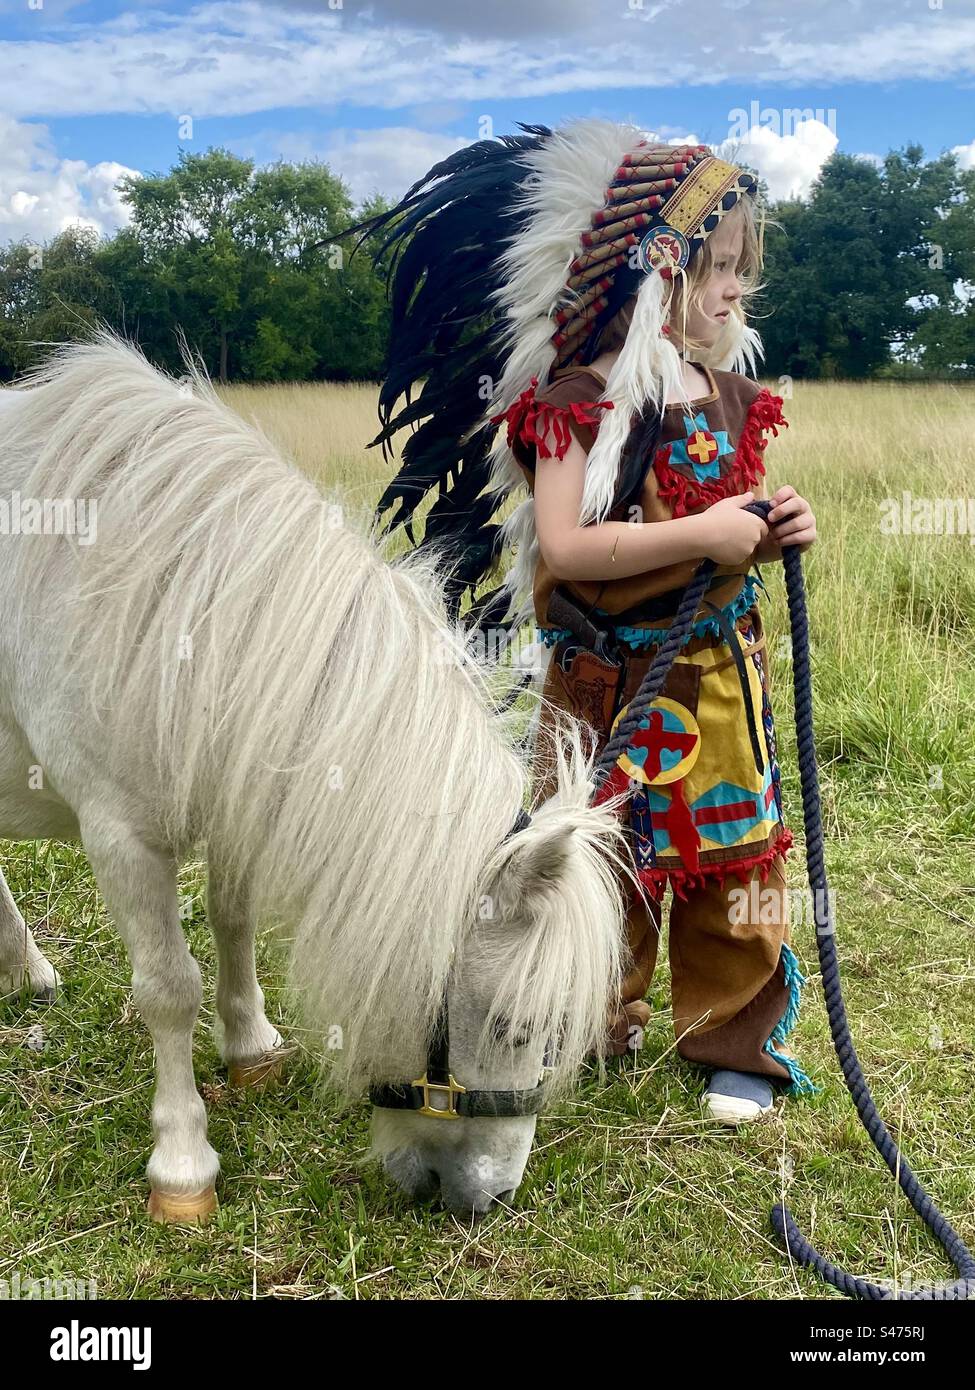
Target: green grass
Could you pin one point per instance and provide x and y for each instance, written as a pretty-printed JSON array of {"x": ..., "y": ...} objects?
[{"x": 628, "y": 1193}]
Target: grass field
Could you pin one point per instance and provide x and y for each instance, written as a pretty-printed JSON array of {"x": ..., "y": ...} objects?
[{"x": 628, "y": 1193}]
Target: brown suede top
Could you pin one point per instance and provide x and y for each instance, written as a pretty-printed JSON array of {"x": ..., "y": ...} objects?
[{"x": 724, "y": 410}]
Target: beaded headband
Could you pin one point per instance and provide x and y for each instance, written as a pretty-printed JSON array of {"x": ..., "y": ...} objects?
[{"x": 663, "y": 204}]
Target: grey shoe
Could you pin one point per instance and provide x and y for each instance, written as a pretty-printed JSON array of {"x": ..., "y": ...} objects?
[{"x": 737, "y": 1097}]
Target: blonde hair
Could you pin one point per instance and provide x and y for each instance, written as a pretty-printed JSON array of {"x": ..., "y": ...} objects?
[
  {"x": 692, "y": 286},
  {"x": 614, "y": 334},
  {"x": 693, "y": 283}
]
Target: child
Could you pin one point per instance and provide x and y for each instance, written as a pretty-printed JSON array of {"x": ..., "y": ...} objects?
[
  {"x": 584, "y": 287},
  {"x": 710, "y": 821}
]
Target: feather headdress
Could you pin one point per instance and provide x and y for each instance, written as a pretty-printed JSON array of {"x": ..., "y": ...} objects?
[{"x": 510, "y": 258}]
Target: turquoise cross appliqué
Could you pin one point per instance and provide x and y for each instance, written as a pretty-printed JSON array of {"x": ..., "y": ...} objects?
[{"x": 700, "y": 449}]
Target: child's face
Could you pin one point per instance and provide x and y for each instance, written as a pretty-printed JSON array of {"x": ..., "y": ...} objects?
[{"x": 706, "y": 319}]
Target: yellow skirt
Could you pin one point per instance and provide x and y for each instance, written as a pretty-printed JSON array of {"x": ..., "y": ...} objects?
[{"x": 705, "y": 790}]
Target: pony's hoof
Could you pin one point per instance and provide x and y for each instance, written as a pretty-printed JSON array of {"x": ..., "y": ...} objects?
[
  {"x": 44, "y": 990},
  {"x": 47, "y": 994},
  {"x": 185, "y": 1209},
  {"x": 261, "y": 1072}
]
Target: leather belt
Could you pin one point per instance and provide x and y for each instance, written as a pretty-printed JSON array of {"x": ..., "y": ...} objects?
[{"x": 564, "y": 612}]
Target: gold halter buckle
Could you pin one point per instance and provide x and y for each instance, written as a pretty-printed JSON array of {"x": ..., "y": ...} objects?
[{"x": 449, "y": 1093}]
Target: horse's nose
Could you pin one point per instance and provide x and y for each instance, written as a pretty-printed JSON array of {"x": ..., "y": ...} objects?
[
  {"x": 411, "y": 1175},
  {"x": 471, "y": 1199}
]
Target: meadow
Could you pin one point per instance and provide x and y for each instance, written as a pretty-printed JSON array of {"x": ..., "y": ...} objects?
[{"x": 628, "y": 1193}]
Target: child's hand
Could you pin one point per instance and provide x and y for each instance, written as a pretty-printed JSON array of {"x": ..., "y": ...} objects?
[
  {"x": 791, "y": 522},
  {"x": 732, "y": 535}
]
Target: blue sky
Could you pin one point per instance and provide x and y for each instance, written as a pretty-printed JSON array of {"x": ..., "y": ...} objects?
[{"x": 92, "y": 88}]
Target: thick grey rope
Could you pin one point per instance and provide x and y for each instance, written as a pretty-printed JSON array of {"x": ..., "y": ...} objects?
[{"x": 782, "y": 1220}]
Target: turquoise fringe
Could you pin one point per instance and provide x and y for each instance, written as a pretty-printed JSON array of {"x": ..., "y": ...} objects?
[
  {"x": 640, "y": 637},
  {"x": 794, "y": 978}
]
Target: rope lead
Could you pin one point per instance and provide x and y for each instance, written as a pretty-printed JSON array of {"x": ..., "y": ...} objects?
[{"x": 782, "y": 1220}]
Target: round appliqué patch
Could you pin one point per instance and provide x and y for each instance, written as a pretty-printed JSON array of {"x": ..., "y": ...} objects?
[
  {"x": 665, "y": 745},
  {"x": 664, "y": 249}
]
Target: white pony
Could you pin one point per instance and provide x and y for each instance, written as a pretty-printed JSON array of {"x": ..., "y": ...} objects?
[{"x": 226, "y": 662}]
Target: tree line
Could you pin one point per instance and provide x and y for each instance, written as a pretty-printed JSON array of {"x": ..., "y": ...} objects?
[{"x": 866, "y": 277}]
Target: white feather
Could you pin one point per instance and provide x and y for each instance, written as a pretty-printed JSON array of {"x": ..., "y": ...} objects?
[{"x": 566, "y": 182}]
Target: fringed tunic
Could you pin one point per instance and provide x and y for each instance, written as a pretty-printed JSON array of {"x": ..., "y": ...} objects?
[{"x": 706, "y": 799}]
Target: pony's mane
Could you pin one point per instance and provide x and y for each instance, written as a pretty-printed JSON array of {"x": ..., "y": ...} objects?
[{"x": 304, "y": 706}]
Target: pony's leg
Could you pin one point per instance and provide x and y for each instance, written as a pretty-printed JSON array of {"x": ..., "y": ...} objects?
[
  {"x": 138, "y": 884},
  {"x": 20, "y": 959},
  {"x": 249, "y": 1044}
]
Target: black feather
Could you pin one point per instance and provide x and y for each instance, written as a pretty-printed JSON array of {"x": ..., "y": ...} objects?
[{"x": 444, "y": 239}]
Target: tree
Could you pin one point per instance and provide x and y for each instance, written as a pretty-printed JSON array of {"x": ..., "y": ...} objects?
[
  {"x": 848, "y": 272},
  {"x": 862, "y": 278},
  {"x": 235, "y": 258},
  {"x": 944, "y": 339},
  {"x": 49, "y": 294},
  {"x": 189, "y": 226}
]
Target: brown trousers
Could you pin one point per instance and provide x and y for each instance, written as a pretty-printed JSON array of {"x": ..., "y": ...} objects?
[
  {"x": 728, "y": 984},
  {"x": 728, "y": 987}
]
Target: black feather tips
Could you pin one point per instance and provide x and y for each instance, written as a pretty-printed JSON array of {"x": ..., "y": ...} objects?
[{"x": 445, "y": 354}]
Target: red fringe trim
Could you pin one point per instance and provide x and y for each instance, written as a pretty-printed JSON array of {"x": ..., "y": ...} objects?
[
  {"x": 529, "y": 420},
  {"x": 764, "y": 413},
  {"x": 681, "y": 879}
]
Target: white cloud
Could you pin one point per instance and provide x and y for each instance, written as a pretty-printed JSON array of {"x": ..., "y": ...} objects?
[
  {"x": 788, "y": 163},
  {"x": 42, "y": 194},
  {"x": 231, "y": 57},
  {"x": 234, "y": 57},
  {"x": 49, "y": 9},
  {"x": 922, "y": 48},
  {"x": 965, "y": 154},
  {"x": 496, "y": 17},
  {"x": 385, "y": 160}
]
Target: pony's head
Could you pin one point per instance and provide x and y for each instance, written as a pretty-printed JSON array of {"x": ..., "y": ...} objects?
[{"x": 526, "y": 1000}]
